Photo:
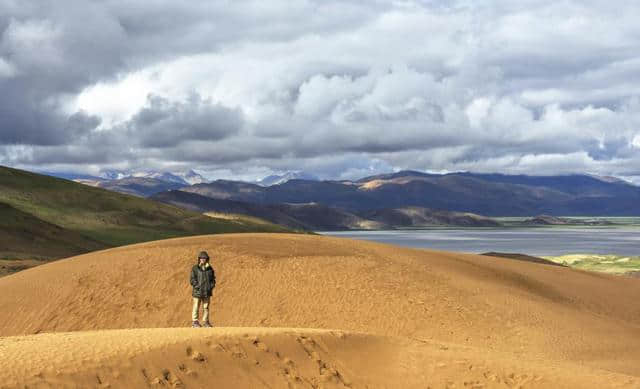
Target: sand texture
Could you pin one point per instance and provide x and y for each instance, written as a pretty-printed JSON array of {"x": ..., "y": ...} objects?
[{"x": 324, "y": 312}]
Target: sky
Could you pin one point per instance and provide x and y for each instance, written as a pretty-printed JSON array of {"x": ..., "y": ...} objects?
[{"x": 339, "y": 89}]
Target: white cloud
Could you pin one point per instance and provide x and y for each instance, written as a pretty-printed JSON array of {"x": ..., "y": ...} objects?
[
  {"x": 7, "y": 70},
  {"x": 526, "y": 87},
  {"x": 115, "y": 102}
]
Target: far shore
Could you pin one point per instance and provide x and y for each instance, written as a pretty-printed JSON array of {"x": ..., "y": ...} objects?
[{"x": 612, "y": 250}]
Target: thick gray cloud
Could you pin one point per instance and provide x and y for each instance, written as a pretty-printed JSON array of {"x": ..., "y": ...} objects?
[
  {"x": 337, "y": 88},
  {"x": 50, "y": 52},
  {"x": 163, "y": 123}
]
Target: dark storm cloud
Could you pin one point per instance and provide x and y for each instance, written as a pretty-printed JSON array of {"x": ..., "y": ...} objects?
[
  {"x": 163, "y": 123},
  {"x": 28, "y": 122},
  {"x": 53, "y": 53}
]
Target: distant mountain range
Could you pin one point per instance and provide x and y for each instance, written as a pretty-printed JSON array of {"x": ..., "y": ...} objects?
[
  {"x": 320, "y": 217},
  {"x": 184, "y": 178},
  {"x": 142, "y": 184},
  {"x": 138, "y": 186},
  {"x": 485, "y": 194},
  {"x": 405, "y": 198}
]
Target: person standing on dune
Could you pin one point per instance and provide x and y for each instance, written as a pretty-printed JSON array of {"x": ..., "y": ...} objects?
[{"x": 203, "y": 280}]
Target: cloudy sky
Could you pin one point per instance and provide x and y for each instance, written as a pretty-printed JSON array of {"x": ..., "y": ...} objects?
[{"x": 341, "y": 89}]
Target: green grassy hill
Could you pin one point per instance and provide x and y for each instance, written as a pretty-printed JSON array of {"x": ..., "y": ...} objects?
[
  {"x": 606, "y": 263},
  {"x": 47, "y": 217},
  {"x": 26, "y": 236}
]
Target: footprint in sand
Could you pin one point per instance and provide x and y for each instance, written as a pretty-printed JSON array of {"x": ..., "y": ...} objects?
[
  {"x": 326, "y": 372},
  {"x": 517, "y": 380},
  {"x": 237, "y": 351},
  {"x": 473, "y": 384},
  {"x": 167, "y": 378},
  {"x": 185, "y": 370},
  {"x": 255, "y": 341},
  {"x": 101, "y": 382},
  {"x": 196, "y": 355},
  {"x": 199, "y": 357}
]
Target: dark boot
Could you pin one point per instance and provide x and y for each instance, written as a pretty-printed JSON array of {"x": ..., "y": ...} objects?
[
  {"x": 196, "y": 324},
  {"x": 207, "y": 324}
]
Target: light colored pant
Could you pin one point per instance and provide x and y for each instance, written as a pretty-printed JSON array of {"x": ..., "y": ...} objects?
[{"x": 205, "y": 309}]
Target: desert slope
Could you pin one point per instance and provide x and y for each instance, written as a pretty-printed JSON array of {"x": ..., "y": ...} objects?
[
  {"x": 504, "y": 309},
  {"x": 272, "y": 358}
]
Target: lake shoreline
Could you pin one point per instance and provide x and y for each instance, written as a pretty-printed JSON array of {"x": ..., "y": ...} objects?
[{"x": 602, "y": 248}]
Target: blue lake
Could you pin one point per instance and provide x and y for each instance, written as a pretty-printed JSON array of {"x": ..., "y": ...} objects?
[{"x": 532, "y": 241}]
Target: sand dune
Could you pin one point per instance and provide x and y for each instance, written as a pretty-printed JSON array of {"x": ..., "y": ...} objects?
[
  {"x": 274, "y": 358},
  {"x": 400, "y": 317}
]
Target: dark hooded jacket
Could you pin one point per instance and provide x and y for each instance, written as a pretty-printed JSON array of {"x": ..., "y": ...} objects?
[{"x": 203, "y": 280}]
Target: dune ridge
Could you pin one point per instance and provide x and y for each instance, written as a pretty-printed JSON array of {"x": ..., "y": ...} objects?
[
  {"x": 271, "y": 357},
  {"x": 503, "y": 322}
]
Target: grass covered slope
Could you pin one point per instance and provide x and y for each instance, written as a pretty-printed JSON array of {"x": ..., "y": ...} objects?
[
  {"x": 606, "y": 263},
  {"x": 245, "y": 220},
  {"x": 495, "y": 306},
  {"x": 26, "y": 236},
  {"x": 51, "y": 217}
]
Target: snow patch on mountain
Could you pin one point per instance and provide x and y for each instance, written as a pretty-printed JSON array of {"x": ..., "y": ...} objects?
[
  {"x": 189, "y": 177},
  {"x": 277, "y": 179}
]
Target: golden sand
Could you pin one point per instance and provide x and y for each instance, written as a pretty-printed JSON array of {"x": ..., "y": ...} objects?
[{"x": 326, "y": 312}]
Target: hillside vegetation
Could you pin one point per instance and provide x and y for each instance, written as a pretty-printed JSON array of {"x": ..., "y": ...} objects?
[
  {"x": 26, "y": 236},
  {"x": 47, "y": 217},
  {"x": 607, "y": 263}
]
